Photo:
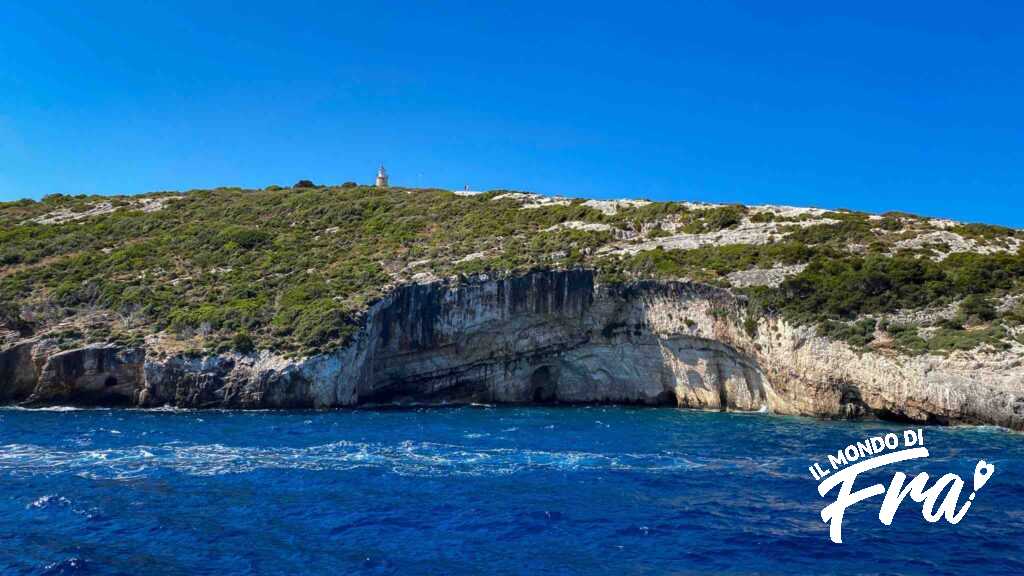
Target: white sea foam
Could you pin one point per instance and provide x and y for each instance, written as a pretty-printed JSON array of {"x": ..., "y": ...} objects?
[
  {"x": 47, "y": 501},
  {"x": 404, "y": 458},
  {"x": 983, "y": 429}
]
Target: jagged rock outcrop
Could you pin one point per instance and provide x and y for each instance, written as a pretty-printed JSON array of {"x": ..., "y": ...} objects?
[{"x": 551, "y": 336}]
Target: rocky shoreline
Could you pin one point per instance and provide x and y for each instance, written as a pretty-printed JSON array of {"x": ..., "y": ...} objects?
[{"x": 545, "y": 337}]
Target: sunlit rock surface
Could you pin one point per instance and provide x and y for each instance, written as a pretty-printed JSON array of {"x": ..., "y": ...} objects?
[{"x": 546, "y": 337}]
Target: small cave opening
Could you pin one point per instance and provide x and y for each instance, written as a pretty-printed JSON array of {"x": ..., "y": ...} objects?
[
  {"x": 110, "y": 382},
  {"x": 543, "y": 386}
]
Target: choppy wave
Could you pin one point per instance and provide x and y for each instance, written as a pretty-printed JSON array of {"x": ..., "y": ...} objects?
[
  {"x": 595, "y": 489},
  {"x": 405, "y": 458}
]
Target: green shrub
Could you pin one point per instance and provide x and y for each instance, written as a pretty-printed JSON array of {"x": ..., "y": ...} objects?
[
  {"x": 654, "y": 211},
  {"x": 714, "y": 219},
  {"x": 723, "y": 217},
  {"x": 951, "y": 323},
  {"x": 983, "y": 231},
  {"x": 858, "y": 334},
  {"x": 906, "y": 338},
  {"x": 750, "y": 325},
  {"x": 242, "y": 343},
  {"x": 977, "y": 307},
  {"x": 243, "y": 237},
  {"x": 840, "y": 233},
  {"x": 10, "y": 316},
  {"x": 658, "y": 232},
  {"x": 891, "y": 224},
  {"x": 1016, "y": 314},
  {"x": 947, "y": 339}
]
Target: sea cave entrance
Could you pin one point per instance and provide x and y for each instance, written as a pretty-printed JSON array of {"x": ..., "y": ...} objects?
[{"x": 543, "y": 386}]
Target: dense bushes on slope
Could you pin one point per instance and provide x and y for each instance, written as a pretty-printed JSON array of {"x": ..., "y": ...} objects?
[
  {"x": 830, "y": 291},
  {"x": 295, "y": 268},
  {"x": 707, "y": 263},
  {"x": 848, "y": 287}
]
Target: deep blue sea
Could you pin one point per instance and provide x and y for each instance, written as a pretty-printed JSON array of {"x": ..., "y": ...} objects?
[{"x": 476, "y": 490}]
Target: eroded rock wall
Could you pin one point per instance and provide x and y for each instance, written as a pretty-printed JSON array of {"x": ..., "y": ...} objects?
[
  {"x": 106, "y": 375},
  {"x": 551, "y": 336},
  {"x": 547, "y": 337}
]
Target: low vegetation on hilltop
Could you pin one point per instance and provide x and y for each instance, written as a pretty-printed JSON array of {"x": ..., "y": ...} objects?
[{"x": 295, "y": 268}]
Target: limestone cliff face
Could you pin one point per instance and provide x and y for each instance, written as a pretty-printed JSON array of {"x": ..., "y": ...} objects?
[{"x": 546, "y": 337}]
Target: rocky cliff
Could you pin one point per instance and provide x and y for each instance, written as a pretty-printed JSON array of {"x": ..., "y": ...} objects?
[{"x": 544, "y": 337}]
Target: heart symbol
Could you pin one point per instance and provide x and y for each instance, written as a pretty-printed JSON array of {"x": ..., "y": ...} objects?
[{"x": 982, "y": 472}]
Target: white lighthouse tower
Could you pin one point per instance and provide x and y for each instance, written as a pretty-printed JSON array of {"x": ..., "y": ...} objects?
[{"x": 382, "y": 177}]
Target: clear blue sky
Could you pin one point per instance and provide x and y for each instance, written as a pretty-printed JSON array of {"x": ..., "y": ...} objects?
[{"x": 915, "y": 106}]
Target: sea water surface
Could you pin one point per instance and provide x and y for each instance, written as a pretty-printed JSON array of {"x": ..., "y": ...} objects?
[{"x": 475, "y": 490}]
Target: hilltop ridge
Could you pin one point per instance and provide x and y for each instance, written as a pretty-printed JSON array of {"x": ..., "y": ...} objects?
[{"x": 294, "y": 268}]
